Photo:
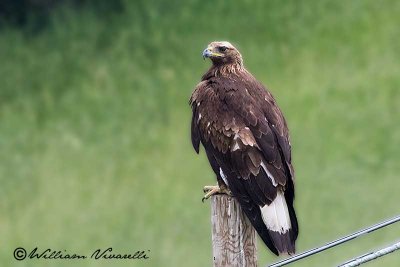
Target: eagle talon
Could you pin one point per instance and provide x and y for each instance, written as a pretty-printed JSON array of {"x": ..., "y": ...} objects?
[
  {"x": 209, "y": 188},
  {"x": 214, "y": 190}
]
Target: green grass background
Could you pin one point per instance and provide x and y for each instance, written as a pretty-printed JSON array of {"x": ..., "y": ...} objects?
[{"x": 94, "y": 125}]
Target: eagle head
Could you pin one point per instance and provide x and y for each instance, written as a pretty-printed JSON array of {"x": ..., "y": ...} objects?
[{"x": 222, "y": 52}]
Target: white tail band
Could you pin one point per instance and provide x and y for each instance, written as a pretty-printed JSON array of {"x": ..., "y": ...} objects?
[{"x": 276, "y": 215}]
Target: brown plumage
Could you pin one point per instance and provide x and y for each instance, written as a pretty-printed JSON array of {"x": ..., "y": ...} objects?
[{"x": 246, "y": 140}]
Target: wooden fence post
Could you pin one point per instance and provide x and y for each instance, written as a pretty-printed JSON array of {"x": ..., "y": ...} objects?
[{"x": 233, "y": 237}]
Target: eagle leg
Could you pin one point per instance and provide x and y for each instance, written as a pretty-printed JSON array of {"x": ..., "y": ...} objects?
[{"x": 210, "y": 190}]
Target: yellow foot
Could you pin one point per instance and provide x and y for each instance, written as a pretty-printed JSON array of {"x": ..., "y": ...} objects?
[{"x": 210, "y": 190}]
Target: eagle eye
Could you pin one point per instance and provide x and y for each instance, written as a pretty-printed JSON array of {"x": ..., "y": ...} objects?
[{"x": 222, "y": 48}]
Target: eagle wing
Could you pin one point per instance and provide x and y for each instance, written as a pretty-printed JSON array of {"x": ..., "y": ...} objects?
[{"x": 247, "y": 143}]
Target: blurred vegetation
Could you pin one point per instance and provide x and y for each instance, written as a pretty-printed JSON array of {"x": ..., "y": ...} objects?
[{"x": 94, "y": 133}]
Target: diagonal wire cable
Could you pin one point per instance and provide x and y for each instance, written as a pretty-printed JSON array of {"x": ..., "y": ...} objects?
[
  {"x": 371, "y": 256},
  {"x": 336, "y": 242}
]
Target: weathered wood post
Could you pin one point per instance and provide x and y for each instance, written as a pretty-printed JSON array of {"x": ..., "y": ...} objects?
[{"x": 233, "y": 237}]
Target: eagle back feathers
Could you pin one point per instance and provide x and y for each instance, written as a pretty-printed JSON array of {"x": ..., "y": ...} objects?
[{"x": 238, "y": 105}]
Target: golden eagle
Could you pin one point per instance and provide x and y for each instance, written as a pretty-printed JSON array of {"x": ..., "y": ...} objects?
[{"x": 246, "y": 140}]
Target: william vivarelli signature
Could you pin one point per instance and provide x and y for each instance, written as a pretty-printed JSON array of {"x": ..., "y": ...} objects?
[{"x": 99, "y": 254}]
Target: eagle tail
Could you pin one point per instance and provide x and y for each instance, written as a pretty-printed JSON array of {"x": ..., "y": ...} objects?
[{"x": 278, "y": 218}]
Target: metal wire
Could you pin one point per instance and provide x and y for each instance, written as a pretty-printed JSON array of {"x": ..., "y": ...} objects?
[
  {"x": 339, "y": 241},
  {"x": 371, "y": 256}
]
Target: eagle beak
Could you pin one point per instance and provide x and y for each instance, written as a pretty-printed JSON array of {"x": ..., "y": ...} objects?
[{"x": 208, "y": 52}]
